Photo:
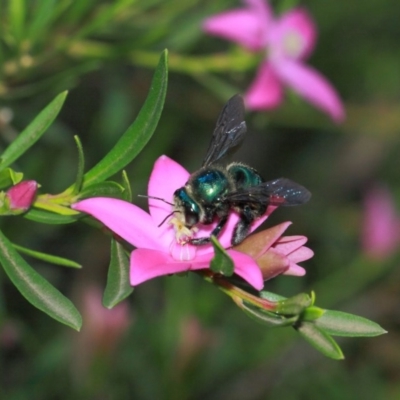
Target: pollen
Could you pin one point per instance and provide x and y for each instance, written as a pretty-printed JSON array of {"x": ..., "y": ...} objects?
[
  {"x": 182, "y": 233},
  {"x": 293, "y": 44}
]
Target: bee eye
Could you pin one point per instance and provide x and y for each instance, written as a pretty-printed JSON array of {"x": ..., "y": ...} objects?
[
  {"x": 191, "y": 217},
  {"x": 188, "y": 207}
]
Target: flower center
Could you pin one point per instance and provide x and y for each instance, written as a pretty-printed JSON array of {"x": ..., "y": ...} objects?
[
  {"x": 180, "y": 248},
  {"x": 182, "y": 233},
  {"x": 293, "y": 44},
  {"x": 182, "y": 252}
]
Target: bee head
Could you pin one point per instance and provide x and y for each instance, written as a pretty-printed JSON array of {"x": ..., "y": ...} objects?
[{"x": 186, "y": 207}]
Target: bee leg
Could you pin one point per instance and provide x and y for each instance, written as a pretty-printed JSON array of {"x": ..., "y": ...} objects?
[
  {"x": 215, "y": 232},
  {"x": 242, "y": 228}
]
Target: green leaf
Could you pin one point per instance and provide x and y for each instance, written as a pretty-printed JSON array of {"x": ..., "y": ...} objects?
[
  {"x": 9, "y": 177},
  {"x": 138, "y": 134},
  {"x": 294, "y": 305},
  {"x": 41, "y": 18},
  {"x": 81, "y": 166},
  {"x": 39, "y": 292},
  {"x": 47, "y": 257},
  {"x": 127, "y": 193},
  {"x": 17, "y": 16},
  {"x": 320, "y": 340},
  {"x": 339, "y": 323},
  {"x": 46, "y": 217},
  {"x": 312, "y": 313},
  {"x": 266, "y": 317},
  {"x": 103, "y": 189},
  {"x": 32, "y": 132},
  {"x": 271, "y": 296},
  {"x": 221, "y": 262},
  {"x": 118, "y": 287}
]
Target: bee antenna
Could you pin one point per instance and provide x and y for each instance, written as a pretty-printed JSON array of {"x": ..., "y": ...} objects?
[
  {"x": 155, "y": 198},
  {"x": 166, "y": 218}
]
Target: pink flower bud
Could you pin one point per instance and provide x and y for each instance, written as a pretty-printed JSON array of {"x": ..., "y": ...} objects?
[
  {"x": 21, "y": 196},
  {"x": 276, "y": 254}
]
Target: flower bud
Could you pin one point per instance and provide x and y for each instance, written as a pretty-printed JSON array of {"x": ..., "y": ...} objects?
[
  {"x": 276, "y": 254},
  {"x": 20, "y": 197}
]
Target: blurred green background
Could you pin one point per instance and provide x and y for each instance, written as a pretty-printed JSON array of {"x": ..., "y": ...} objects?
[{"x": 182, "y": 338}]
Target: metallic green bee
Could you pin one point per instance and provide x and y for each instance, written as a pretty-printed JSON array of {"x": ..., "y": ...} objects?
[{"x": 214, "y": 191}]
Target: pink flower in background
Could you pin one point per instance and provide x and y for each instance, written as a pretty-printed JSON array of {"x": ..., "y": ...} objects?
[
  {"x": 157, "y": 250},
  {"x": 276, "y": 254},
  {"x": 103, "y": 327},
  {"x": 287, "y": 40},
  {"x": 381, "y": 224},
  {"x": 101, "y": 333}
]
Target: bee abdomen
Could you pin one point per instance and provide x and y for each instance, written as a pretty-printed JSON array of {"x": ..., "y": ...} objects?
[{"x": 244, "y": 176}]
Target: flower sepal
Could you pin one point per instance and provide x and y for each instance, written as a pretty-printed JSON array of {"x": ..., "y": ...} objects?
[
  {"x": 265, "y": 317},
  {"x": 294, "y": 306},
  {"x": 221, "y": 262},
  {"x": 9, "y": 177}
]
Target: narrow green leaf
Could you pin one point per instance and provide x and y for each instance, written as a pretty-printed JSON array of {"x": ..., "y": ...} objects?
[
  {"x": 127, "y": 193},
  {"x": 271, "y": 296},
  {"x": 9, "y": 177},
  {"x": 47, "y": 257},
  {"x": 339, "y": 323},
  {"x": 32, "y": 132},
  {"x": 221, "y": 262},
  {"x": 39, "y": 292},
  {"x": 320, "y": 340},
  {"x": 118, "y": 287},
  {"x": 294, "y": 305},
  {"x": 266, "y": 317},
  {"x": 46, "y": 217},
  {"x": 139, "y": 133},
  {"x": 41, "y": 18},
  {"x": 312, "y": 313},
  {"x": 81, "y": 166},
  {"x": 102, "y": 189},
  {"x": 17, "y": 15}
]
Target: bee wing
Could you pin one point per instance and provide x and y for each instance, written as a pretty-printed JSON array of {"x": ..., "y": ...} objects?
[
  {"x": 228, "y": 132},
  {"x": 279, "y": 192}
]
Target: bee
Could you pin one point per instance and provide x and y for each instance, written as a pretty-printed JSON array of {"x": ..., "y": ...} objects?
[{"x": 214, "y": 191}]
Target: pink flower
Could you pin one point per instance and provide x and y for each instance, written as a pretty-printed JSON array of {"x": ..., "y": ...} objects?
[
  {"x": 157, "y": 250},
  {"x": 287, "y": 40},
  {"x": 103, "y": 327},
  {"x": 276, "y": 254},
  {"x": 101, "y": 333},
  {"x": 21, "y": 196},
  {"x": 381, "y": 224}
]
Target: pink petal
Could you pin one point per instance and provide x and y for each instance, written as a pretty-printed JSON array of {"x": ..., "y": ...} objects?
[
  {"x": 295, "y": 270},
  {"x": 301, "y": 254},
  {"x": 266, "y": 90},
  {"x": 278, "y": 231},
  {"x": 289, "y": 244},
  {"x": 166, "y": 177},
  {"x": 247, "y": 269},
  {"x": 381, "y": 230},
  {"x": 146, "y": 264},
  {"x": 311, "y": 85},
  {"x": 225, "y": 237},
  {"x": 125, "y": 219},
  {"x": 246, "y": 26},
  {"x": 182, "y": 252},
  {"x": 293, "y": 35}
]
